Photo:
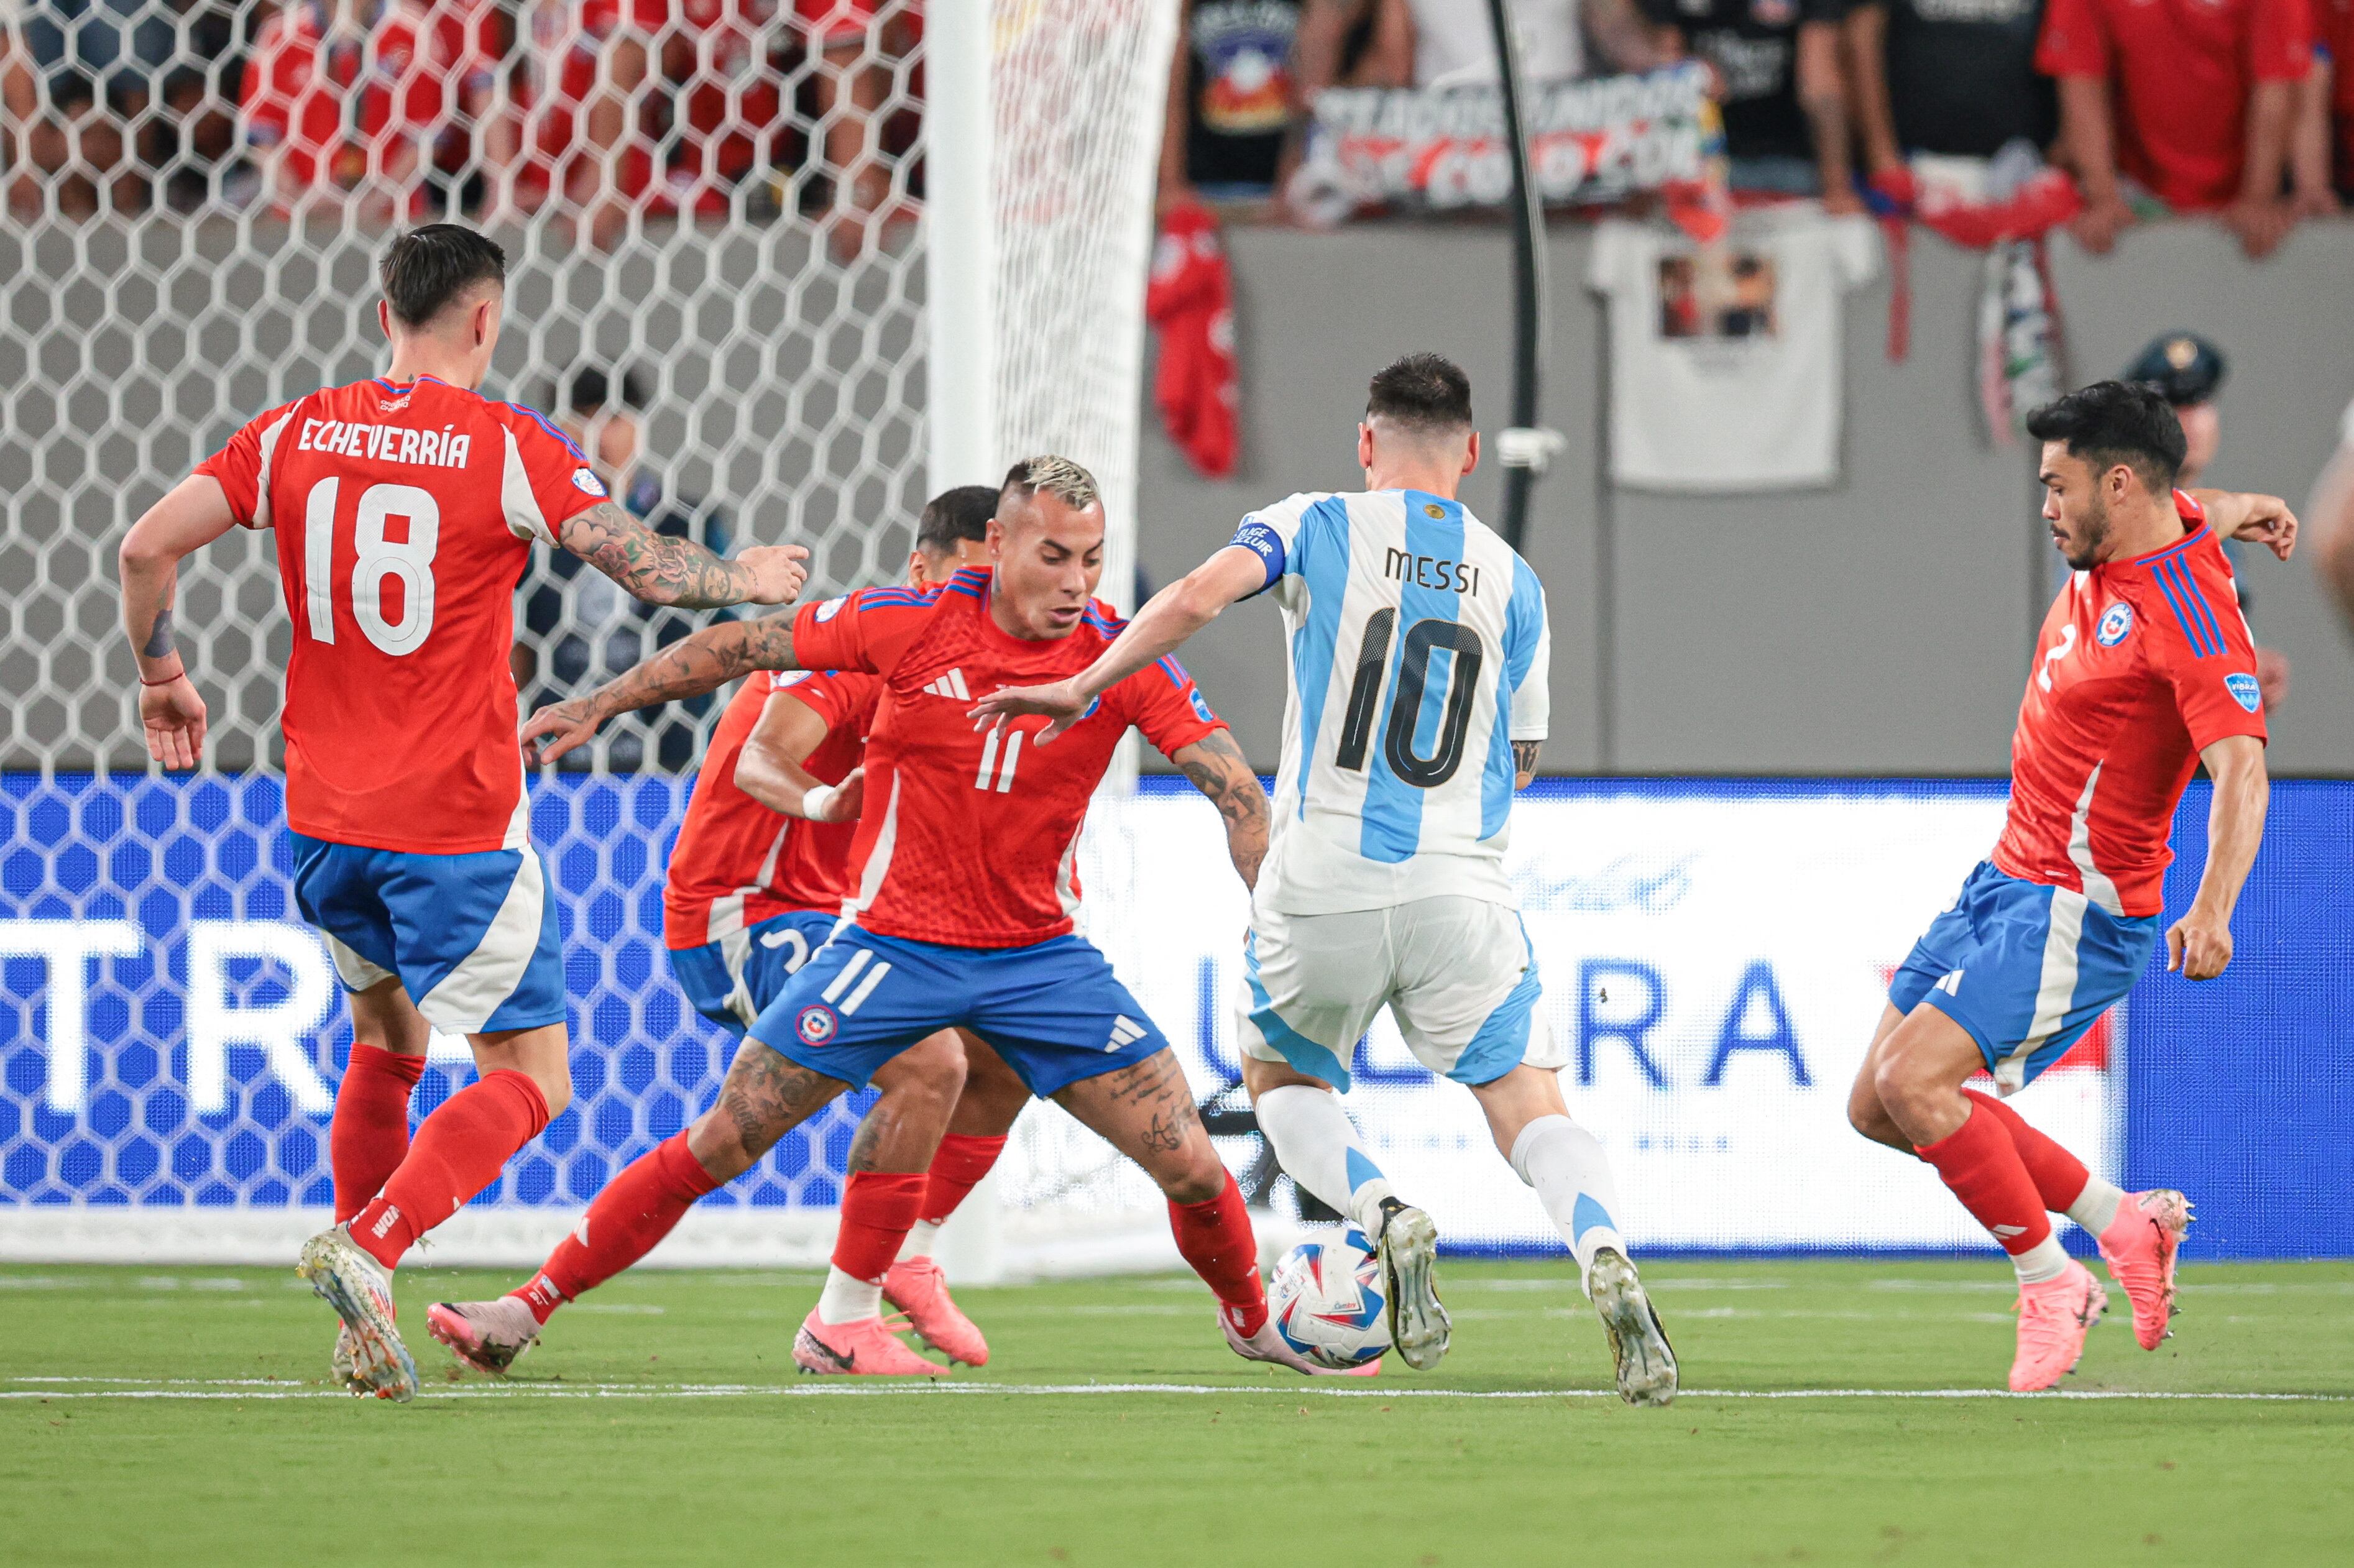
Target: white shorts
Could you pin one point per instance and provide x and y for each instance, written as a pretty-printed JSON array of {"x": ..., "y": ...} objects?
[{"x": 1456, "y": 973}]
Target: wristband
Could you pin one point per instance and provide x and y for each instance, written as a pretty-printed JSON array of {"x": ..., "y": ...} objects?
[
  {"x": 814, "y": 802},
  {"x": 166, "y": 681}
]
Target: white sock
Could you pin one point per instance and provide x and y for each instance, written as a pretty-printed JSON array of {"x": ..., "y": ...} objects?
[
  {"x": 1318, "y": 1147},
  {"x": 2095, "y": 1207},
  {"x": 1571, "y": 1174},
  {"x": 846, "y": 1299},
  {"x": 921, "y": 1237},
  {"x": 2047, "y": 1259}
]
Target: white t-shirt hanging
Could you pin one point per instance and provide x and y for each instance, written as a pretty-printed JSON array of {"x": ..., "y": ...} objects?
[
  {"x": 1455, "y": 42},
  {"x": 1727, "y": 376}
]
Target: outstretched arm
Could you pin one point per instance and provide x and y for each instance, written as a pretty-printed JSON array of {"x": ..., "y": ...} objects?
[
  {"x": 193, "y": 514},
  {"x": 768, "y": 767},
  {"x": 1215, "y": 765},
  {"x": 2200, "y": 944},
  {"x": 2262, "y": 519},
  {"x": 1175, "y": 613},
  {"x": 661, "y": 569},
  {"x": 702, "y": 662}
]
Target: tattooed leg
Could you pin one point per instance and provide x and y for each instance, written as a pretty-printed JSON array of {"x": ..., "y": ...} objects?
[
  {"x": 901, "y": 1131},
  {"x": 1147, "y": 1113},
  {"x": 765, "y": 1097}
]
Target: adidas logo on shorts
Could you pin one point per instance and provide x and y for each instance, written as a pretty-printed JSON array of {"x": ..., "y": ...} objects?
[
  {"x": 1125, "y": 1032},
  {"x": 950, "y": 685}
]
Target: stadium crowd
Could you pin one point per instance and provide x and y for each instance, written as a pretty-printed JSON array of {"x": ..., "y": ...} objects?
[{"x": 604, "y": 109}]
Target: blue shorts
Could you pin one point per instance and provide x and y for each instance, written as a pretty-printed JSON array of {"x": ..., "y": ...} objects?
[
  {"x": 731, "y": 980},
  {"x": 1052, "y": 1009},
  {"x": 2025, "y": 966},
  {"x": 471, "y": 937}
]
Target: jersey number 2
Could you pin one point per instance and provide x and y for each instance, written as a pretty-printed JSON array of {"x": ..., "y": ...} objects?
[
  {"x": 1422, "y": 638},
  {"x": 410, "y": 559}
]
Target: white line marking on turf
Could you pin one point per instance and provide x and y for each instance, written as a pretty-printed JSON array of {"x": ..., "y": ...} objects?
[{"x": 265, "y": 1388}]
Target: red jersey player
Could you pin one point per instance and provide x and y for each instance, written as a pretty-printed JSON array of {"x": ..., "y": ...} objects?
[
  {"x": 405, "y": 508},
  {"x": 749, "y": 898},
  {"x": 2144, "y": 671},
  {"x": 973, "y": 927}
]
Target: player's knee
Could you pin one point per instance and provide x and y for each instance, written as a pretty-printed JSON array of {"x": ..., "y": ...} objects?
[
  {"x": 1192, "y": 1175},
  {"x": 719, "y": 1147},
  {"x": 557, "y": 1089}
]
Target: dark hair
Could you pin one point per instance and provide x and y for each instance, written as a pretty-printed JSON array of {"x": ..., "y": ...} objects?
[
  {"x": 592, "y": 388},
  {"x": 426, "y": 269},
  {"x": 2112, "y": 423},
  {"x": 954, "y": 515},
  {"x": 1422, "y": 391}
]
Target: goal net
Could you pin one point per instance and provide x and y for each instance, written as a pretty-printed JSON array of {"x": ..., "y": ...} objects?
[{"x": 725, "y": 220}]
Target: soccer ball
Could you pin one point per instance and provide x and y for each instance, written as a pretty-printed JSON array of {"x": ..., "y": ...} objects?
[{"x": 1326, "y": 1301}]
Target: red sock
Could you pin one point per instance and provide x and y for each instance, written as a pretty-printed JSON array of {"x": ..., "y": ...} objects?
[
  {"x": 1215, "y": 1238},
  {"x": 2059, "y": 1176},
  {"x": 1981, "y": 1165},
  {"x": 878, "y": 1210},
  {"x": 368, "y": 1137},
  {"x": 957, "y": 1168},
  {"x": 636, "y": 1209},
  {"x": 457, "y": 1152}
]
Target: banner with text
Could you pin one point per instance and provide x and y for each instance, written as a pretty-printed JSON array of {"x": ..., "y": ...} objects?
[{"x": 1714, "y": 955}]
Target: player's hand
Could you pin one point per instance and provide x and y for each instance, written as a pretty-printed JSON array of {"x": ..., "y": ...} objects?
[
  {"x": 2199, "y": 944},
  {"x": 1060, "y": 702},
  {"x": 847, "y": 799},
  {"x": 558, "y": 728},
  {"x": 778, "y": 572},
  {"x": 2267, "y": 522},
  {"x": 173, "y": 715}
]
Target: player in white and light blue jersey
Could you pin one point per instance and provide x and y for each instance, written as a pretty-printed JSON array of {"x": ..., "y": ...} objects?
[{"x": 1418, "y": 654}]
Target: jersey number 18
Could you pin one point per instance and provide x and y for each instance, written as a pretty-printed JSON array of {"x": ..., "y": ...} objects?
[
  {"x": 410, "y": 559},
  {"x": 1422, "y": 638}
]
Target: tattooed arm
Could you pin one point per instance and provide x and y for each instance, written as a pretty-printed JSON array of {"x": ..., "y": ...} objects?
[
  {"x": 193, "y": 514},
  {"x": 1524, "y": 762},
  {"x": 1214, "y": 763},
  {"x": 662, "y": 569},
  {"x": 688, "y": 668}
]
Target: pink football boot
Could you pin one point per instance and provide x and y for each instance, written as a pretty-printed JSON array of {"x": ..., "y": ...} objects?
[
  {"x": 2054, "y": 1316},
  {"x": 863, "y": 1347},
  {"x": 916, "y": 1286},
  {"x": 2140, "y": 1247}
]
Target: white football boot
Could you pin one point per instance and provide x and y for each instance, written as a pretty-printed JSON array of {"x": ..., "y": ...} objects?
[
  {"x": 1647, "y": 1362},
  {"x": 355, "y": 1285},
  {"x": 1409, "y": 1248}
]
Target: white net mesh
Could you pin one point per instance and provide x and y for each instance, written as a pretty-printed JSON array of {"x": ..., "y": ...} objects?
[{"x": 717, "y": 282}]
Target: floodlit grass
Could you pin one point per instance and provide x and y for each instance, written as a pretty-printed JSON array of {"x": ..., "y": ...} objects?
[{"x": 182, "y": 1415}]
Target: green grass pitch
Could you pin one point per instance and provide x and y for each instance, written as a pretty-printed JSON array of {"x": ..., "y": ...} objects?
[{"x": 181, "y": 1416}]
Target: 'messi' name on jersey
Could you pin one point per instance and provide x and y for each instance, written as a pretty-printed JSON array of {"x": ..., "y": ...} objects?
[
  {"x": 1430, "y": 571},
  {"x": 385, "y": 444}
]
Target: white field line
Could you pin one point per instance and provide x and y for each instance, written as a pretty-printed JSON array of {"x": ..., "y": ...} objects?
[{"x": 266, "y": 1388}]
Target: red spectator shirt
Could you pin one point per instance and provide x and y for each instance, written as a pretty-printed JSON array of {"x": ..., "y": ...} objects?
[
  {"x": 722, "y": 89},
  {"x": 346, "y": 111},
  {"x": 2333, "y": 35},
  {"x": 405, "y": 517},
  {"x": 2141, "y": 665},
  {"x": 736, "y": 862},
  {"x": 2181, "y": 74},
  {"x": 997, "y": 817}
]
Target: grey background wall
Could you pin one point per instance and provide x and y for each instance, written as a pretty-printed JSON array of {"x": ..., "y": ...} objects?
[{"x": 1881, "y": 626}]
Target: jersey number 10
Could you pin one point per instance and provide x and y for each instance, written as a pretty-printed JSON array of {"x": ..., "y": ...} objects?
[
  {"x": 410, "y": 559},
  {"x": 1422, "y": 638}
]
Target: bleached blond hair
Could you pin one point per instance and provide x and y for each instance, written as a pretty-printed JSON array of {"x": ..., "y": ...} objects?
[{"x": 1059, "y": 477}]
